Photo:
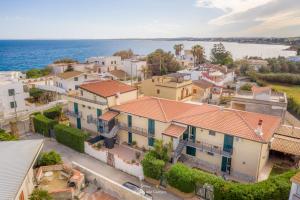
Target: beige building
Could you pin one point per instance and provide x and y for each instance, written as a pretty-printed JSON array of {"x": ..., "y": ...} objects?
[
  {"x": 176, "y": 86},
  {"x": 202, "y": 90},
  {"x": 261, "y": 100},
  {"x": 16, "y": 170},
  {"x": 93, "y": 100},
  {"x": 223, "y": 141}
]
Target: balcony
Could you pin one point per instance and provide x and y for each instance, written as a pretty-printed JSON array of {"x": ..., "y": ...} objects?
[
  {"x": 133, "y": 129},
  {"x": 203, "y": 146},
  {"x": 92, "y": 120},
  {"x": 88, "y": 100},
  {"x": 73, "y": 114}
]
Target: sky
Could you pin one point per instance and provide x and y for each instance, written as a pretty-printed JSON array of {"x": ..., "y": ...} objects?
[{"x": 105, "y": 19}]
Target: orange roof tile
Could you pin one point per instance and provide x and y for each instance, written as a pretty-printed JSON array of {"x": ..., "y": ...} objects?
[
  {"x": 107, "y": 88},
  {"x": 232, "y": 122},
  {"x": 289, "y": 131},
  {"x": 108, "y": 115},
  {"x": 286, "y": 144},
  {"x": 70, "y": 74},
  {"x": 174, "y": 130}
]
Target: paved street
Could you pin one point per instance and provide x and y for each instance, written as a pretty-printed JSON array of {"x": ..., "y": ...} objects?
[{"x": 69, "y": 155}]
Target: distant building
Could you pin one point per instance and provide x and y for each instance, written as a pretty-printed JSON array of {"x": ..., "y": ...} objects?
[
  {"x": 12, "y": 75},
  {"x": 16, "y": 170},
  {"x": 295, "y": 189},
  {"x": 187, "y": 59},
  {"x": 202, "y": 90},
  {"x": 176, "y": 86},
  {"x": 62, "y": 67},
  {"x": 105, "y": 63},
  {"x": 134, "y": 68},
  {"x": 261, "y": 100},
  {"x": 256, "y": 64}
]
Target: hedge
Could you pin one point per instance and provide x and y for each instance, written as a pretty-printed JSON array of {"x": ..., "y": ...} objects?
[
  {"x": 71, "y": 137},
  {"x": 185, "y": 179},
  {"x": 53, "y": 113},
  {"x": 6, "y": 136},
  {"x": 43, "y": 125},
  {"x": 49, "y": 158},
  {"x": 152, "y": 167}
]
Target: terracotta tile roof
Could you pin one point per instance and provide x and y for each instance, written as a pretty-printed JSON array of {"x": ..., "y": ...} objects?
[
  {"x": 174, "y": 130},
  {"x": 256, "y": 89},
  {"x": 289, "y": 131},
  {"x": 296, "y": 178},
  {"x": 120, "y": 74},
  {"x": 70, "y": 74},
  {"x": 108, "y": 115},
  {"x": 286, "y": 144},
  {"x": 232, "y": 122},
  {"x": 203, "y": 84},
  {"x": 107, "y": 88}
]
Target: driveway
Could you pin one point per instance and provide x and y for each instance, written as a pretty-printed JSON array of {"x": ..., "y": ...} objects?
[{"x": 68, "y": 155}]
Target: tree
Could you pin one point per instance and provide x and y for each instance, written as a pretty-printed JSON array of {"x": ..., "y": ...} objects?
[
  {"x": 65, "y": 61},
  {"x": 219, "y": 55},
  {"x": 178, "y": 48},
  {"x": 36, "y": 73},
  {"x": 39, "y": 194},
  {"x": 36, "y": 93},
  {"x": 69, "y": 68},
  {"x": 198, "y": 53},
  {"x": 49, "y": 158},
  {"x": 246, "y": 87},
  {"x": 162, "y": 151},
  {"x": 160, "y": 62},
  {"x": 124, "y": 54}
]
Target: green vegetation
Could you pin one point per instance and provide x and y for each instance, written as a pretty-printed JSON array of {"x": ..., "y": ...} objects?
[
  {"x": 246, "y": 87},
  {"x": 219, "y": 55},
  {"x": 6, "y": 136},
  {"x": 71, "y": 137},
  {"x": 198, "y": 54},
  {"x": 49, "y": 158},
  {"x": 53, "y": 113},
  {"x": 36, "y": 93},
  {"x": 160, "y": 62},
  {"x": 39, "y": 194},
  {"x": 69, "y": 68},
  {"x": 178, "y": 49},
  {"x": 286, "y": 78},
  {"x": 37, "y": 73},
  {"x": 185, "y": 179},
  {"x": 152, "y": 167},
  {"x": 124, "y": 54},
  {"x": 65, "y": 61},
  {"x": 43, "y": 125},
  {"x": 281, "y": 65}
]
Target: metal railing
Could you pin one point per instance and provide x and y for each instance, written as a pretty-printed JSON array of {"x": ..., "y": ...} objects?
[
  {"x": 112, "y": 133},
  {"x": 203, "y": 146},
  {"x": 73, "y": 114},
  {"x": 88, "y": 100},
  {"x": 91, "y": 120},
  {"x": 133, "y": 129}
]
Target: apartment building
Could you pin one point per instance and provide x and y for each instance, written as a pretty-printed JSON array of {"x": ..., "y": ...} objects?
[
  {"x": 176, "y": 86},
  {"x": 135, "y": 68},
  {"x": 261, "y": 100},
  {"x": 223, "y": 141},
  {"x": 105, "y": 63},
  {"x": 16, "y": 170},
  {"x": 88, "y": 109},
  {"x": 70, "y": 81}
]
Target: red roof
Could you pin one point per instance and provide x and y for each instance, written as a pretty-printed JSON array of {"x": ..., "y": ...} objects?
[
  {"x": 174, "y": 130},
  {"x": 228, "y": 121},
  {"x": 108, "y": 115},
  {"x": 107, "y": 88}
]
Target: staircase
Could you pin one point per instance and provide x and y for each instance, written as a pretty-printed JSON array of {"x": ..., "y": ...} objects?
[
  {"x": 112, "y": 133},
  {"x": 179, "y": 149}
]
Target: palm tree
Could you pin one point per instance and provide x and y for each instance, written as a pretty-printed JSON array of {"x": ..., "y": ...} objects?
[
  {"x": 198, "y": 54},
  {"x": 178, "y": 48}
]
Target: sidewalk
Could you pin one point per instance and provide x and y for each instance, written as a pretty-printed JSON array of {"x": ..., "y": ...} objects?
[{"x": 69, "y": 155}]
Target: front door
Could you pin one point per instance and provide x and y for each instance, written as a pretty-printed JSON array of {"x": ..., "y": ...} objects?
[
  {"x": 226, "y": 164},
  {"x": 129, "y": 138},
  {"x": 191, "y": 151},
  {"x": 78, "y": 123}
]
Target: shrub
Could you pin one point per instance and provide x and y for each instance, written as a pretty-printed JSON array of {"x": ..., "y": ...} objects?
[
  {"x": 36, "y": 93},
  {"x": 246, "y": 87},
  {"x": 49, "y": 158},
  {"x": 39, "y": 194},
  {"x": 71, "y": 137},
  {"x": 6, "y": 136},
  {"x": 43, "y": 125},
  {"x": 152, "y": 167},
  {"x": 53, "y": 113}
]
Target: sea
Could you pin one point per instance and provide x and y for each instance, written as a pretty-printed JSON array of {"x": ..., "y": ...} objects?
[{"x": 26, "y": 54}]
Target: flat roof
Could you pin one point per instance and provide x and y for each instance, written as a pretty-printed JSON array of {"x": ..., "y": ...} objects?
[{"x": 17, "y": 157}]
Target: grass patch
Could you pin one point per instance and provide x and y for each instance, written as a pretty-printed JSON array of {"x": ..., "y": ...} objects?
[
  {"x": 276, "y": 170},
  {"x": 290, "y": 90}
]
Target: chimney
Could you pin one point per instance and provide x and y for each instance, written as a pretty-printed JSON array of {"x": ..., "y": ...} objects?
[{"x": 259, "y": 128}]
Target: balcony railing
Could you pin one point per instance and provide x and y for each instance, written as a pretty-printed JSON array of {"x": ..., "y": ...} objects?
[
  {"x": 92, "y": 120},
  {"x": 73, "y": 114},
  {"x": 88, "y": 100},
  {"x": 133, "y": 129},
  {"x": 203, "y": 146}
]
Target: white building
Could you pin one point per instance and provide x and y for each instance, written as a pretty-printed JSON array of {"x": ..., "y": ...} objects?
[
  {"x": 105, "y": 63},
  {"x": 295, "y": 189},
  {"x": 134, "y": 68},
  {"x": 12, "y": 97},
  {"x": 187, "y": 59},
  {"x": 62, "y": 67},
  {"x": 12, "y": 75},
  {"x": 16, "y": 171},
  {"x": 70, "y": 81}
]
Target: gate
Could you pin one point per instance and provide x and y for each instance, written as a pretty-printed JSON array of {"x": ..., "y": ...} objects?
[{"x": 205, "y": 191}]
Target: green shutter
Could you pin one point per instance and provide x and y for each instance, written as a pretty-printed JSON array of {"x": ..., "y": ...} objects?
[
  {"x": 151, "y": 126},
  {"x": 129, "y": 138},
  {"x": 151, "y": 141},
  {"x": 99, "y": 112},
  {"x": 228, "y": 143},
  {"x": 78, "y": 123},
  {"x": 76, "y": 108},
  {"x": 129, "y": 120}
]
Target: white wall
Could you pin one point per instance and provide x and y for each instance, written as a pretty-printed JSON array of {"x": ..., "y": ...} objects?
[
  {"x": 134, "y": 169},
  {"x": 98, "y": 154},
  {"x": 69, "y": 84},
  {"x": 137, "y": 67}
]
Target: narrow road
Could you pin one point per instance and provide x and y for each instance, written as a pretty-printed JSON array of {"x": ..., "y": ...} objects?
[{"x": 68, "y": 155}]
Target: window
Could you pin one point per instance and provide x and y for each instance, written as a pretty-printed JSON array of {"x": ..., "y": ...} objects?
[
  {"x": 112, "y": 62},
  {"x": 13, "y": 104},
  {"x": 89, "y": 107},
  {"x": 11, "y": 92},
  {"x": 76, "y": 87},
  {"x": 75, "y": 78},
  {"x": 103, "y": 63},
  {"x": 194, "y": 91},
  {"x": 81, "y": 92},
  {"x": 83, "y": 106},
  {"x": 115, "y": 62},
  {"x": 85, "y": 76},
  {"x": 157, "y": 91},
  {"x": 210, "y": 153},
  {"x": 212, "y": 133}
]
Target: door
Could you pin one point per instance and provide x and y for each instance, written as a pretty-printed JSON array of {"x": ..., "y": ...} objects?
[
  {"x": 192, "y": 134},
  {"x": 99, "y": 112},
  {"x": 228, "y": 143},
  {"x": 78, "y": 123},
  {"x": 129, "y": 138},
  {"x": 191, "y": 151},
  {"x": 76, "y": 108},
  {"x": 151, "y": 141},
  {"x": 151, "y": 126},
  {"x": 226, "y": 164},
  {"x": 129, "y": 120},
  {"x": 186, "y": 134}
]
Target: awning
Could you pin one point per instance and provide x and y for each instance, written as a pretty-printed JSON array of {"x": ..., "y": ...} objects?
[
  {"x": 174, "y": 130},
  {"x": 286, "y": 144},
  {"x": 109, "y": 115}
]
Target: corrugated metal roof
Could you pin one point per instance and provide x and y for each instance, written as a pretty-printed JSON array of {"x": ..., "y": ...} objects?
[{"x": 16, "y": 159}]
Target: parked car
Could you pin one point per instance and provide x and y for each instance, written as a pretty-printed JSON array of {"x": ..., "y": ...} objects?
[{"x": 137, "y": 189}]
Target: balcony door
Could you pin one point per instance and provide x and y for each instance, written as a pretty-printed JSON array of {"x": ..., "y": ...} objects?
[{"x": 129, "y": 138}]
